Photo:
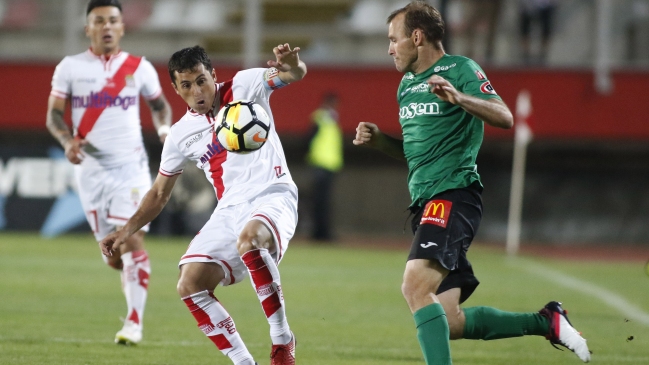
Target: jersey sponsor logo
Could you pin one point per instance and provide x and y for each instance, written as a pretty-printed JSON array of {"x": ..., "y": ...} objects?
[
  {"x": 417, "y": 109},
  {"x": 428, "y": 244},
  {"x": 486, "y": 88},
  {"x": 479, "y": 75},
  {"x": 213, "y": 148},
  {"x": 112, "y": 89},
  {"x": 421, "y": 88},
  {"x": 436, "y": 212},
  {"x": 195, "y": 138},
  {"x": 444, "y": 68},
  {"x": 103, "y": 100}
]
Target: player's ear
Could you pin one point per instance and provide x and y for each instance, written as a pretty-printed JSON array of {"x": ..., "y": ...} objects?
[
  {"x": 214, "y": 74},
  {"x": 173, "y": 83},
  {"x": 417, "y": 37}
]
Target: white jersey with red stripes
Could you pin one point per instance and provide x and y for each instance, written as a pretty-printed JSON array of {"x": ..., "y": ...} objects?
[
  {"x": 104, "y": 96},
  {"x": 236, "y": 177}
]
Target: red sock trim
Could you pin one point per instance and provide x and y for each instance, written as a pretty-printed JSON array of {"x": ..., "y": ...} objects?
[
  {"x": 259, "y": 272},
  {"x": 143, "y": 278},
  {"x": 202, "y": 318},
  {"x": 271, "y": 304},
  {"x": 220, "y": 341},
  {"x": 134, "y": 317}
]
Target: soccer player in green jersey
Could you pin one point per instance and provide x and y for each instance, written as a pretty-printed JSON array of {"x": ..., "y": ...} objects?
[{"x": 443, "y": 101}]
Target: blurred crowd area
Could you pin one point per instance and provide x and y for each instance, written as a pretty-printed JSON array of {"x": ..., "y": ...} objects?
[{"x": 553, "y": 33}]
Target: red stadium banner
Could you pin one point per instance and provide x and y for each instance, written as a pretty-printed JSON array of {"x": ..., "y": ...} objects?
[{"x": 566, "y": 104}]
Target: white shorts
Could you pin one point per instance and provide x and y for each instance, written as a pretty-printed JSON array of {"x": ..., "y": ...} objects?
[
  {"x": 275, "y": 207},
  {"x": 111, "y": 196}
]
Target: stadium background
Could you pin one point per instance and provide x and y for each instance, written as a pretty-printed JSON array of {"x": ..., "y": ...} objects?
[{"x": 587, "y": 164}]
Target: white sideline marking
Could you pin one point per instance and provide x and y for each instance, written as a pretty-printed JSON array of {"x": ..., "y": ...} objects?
[{"x": 612, "y": 299}]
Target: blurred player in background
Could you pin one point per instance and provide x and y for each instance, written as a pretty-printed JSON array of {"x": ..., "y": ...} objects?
[
  {"x": 443, "y": 101},
  {"x": 102, "y": 85},
  {"x": 325, "y": 157},
  {"x": 256, "y": 215}
]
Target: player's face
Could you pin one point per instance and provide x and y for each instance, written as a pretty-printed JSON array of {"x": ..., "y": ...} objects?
[
  {"x": 197, "y": 88},
  {"x": 105, "y": 28},
  {"x": 402, "y": 48}
]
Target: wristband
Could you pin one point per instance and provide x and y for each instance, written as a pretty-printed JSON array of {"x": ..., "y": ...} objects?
[
  {"x": 272, "y": 80},
  {"x": 164, "y": 129}
]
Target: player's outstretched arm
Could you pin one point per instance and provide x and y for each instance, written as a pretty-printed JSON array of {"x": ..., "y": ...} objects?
[
  {"x": 288, "y": 63},
  {"x": 152, "y": 203},
  {"x": 161, "y": 116},
  {"x": 370, "y": 135},
  {"x": 493, "y": 111}
]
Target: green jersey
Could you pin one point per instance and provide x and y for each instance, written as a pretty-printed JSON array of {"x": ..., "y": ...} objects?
[{"x": 441, "y": 140}]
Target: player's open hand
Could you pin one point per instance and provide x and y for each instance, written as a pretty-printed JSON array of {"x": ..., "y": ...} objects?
[
  {"x": 443, "y": 89},
  {"x": 366, "y": 134},
  {"x": 286, "y": 58},
  {"x": 111, "y": 243},
  {"x": 73, "y": 150}
]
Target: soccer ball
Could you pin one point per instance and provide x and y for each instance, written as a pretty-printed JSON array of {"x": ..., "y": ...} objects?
[{"x": 242, "y": 126}]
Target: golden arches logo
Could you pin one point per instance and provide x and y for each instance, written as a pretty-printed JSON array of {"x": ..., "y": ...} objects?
[{"x": 434, "y": 207}]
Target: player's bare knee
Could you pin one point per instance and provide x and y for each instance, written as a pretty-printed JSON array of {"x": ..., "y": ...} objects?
[
  {"x": 246, "y": 242},
  {"x": 186, "y": 286},
  {"x": 411, "y": 293}
]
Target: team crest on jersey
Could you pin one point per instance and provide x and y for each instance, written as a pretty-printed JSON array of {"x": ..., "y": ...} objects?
[
  {"x": 486, "y": 88},
  {"x": 479, "y": 75},
  {"x": 130, "y": 80}
]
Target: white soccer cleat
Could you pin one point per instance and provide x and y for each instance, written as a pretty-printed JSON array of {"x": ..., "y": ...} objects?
[
  {"x": 563, "y": 333},
  {"x": 130, "y": 334}
]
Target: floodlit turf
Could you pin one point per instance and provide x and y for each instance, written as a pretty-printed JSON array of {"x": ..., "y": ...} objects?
[{"x": 59, "y": 304}]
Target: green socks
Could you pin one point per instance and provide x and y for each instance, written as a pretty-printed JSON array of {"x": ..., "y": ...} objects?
[
  {"x": 433, "y": 334},
  {"x": 486, "y": 323}
]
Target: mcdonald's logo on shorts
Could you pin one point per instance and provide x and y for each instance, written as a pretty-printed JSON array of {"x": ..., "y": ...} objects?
[{"x": 437, "y": 212}]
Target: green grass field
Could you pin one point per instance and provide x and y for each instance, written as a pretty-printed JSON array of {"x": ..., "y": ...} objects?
[{"x": 59, "y": 304}]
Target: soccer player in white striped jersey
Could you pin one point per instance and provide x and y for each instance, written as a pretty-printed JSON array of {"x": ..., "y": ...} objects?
[
  {"x": 256, "y": 216},
  {"x": 103, "y": 87}
]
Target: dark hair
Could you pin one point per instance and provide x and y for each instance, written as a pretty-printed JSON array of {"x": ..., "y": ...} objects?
[
  {"x": 419, "y": 15},
  {"x": 97, "y": 3},
  {"x": 187, "y": 59}
]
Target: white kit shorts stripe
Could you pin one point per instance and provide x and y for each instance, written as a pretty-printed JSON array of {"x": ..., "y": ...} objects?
[{"x": 275, "y": 207}]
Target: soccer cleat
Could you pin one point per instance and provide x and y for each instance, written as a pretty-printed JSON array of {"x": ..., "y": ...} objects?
[
  {"x": 130, "y": 334},
  {"x": 283, "y": 354},
  {"x": 562, "y": 332}
]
